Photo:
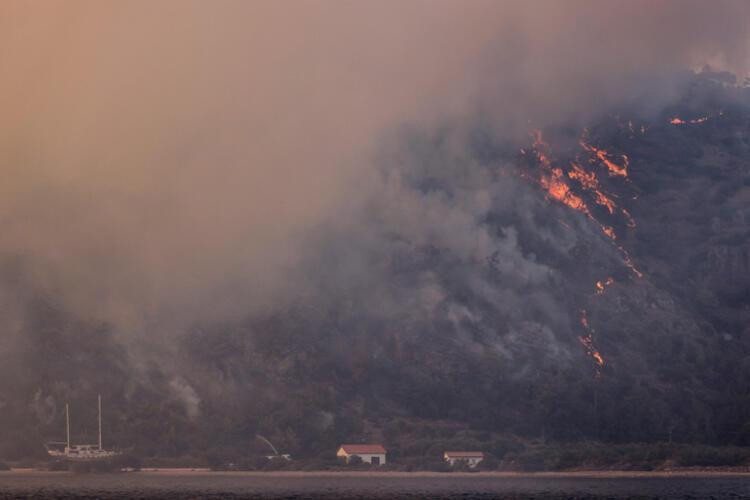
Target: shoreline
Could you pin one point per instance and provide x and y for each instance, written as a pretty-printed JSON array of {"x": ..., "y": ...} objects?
[{"x": 590, "y": 474}]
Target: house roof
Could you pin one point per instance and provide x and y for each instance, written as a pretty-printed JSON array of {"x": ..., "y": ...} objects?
[
  {"x": 464, "y": 454},
  {"x": 363, "y": 448}
]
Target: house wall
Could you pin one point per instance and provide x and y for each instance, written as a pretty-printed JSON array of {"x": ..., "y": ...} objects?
[
  {"x": 366, "y": 457},
  {"x": 471, "y": 462}
]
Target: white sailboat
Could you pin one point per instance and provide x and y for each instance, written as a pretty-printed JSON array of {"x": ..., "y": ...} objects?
[{"x": 80, "y": 452}]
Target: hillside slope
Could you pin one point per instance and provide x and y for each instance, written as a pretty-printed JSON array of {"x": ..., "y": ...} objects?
[{"x": 590, "y": 284}]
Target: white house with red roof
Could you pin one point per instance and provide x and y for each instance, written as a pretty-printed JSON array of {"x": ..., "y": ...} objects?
[
  {"x": 369, "y": 453},
  {"x": 470, "y": 458}
]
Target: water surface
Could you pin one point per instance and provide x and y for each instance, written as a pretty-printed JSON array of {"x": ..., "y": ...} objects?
[{"x": 298, "y": 485}]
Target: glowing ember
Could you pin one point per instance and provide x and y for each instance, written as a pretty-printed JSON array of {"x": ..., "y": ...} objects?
[
  {"x": 587, "y": 341},
  {"x": 678, "y": 121},
  {"x": 601, "y": 286},
  {"x": 631, "y": 222},
  {"x": 629, "y": 263}
]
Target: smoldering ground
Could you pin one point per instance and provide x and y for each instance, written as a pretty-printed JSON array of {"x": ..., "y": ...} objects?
[{"x": 175, "y": 164}]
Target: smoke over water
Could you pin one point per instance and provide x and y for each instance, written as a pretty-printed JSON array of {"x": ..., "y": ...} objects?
[{"x": 174, "y": 164}]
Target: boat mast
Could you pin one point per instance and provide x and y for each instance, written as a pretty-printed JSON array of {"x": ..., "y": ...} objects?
[
  {"x": 67, "y": 423},
  {"x": 100, "y": 421}
]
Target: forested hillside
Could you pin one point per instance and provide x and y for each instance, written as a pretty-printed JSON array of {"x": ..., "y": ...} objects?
[{"x": 591, "y": 283}]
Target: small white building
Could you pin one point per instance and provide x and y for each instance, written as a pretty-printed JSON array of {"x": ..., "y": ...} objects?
[
  {"x": 369, "y": 453},
  {"x": 471, "y": 458}
]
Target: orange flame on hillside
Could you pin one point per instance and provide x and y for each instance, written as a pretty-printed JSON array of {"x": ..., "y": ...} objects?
[
  {"x": 556, "y": 183},
  {"x": 629, "y": 263},
  {"x": 587, "y": 179},
  {"x": 602, "y": 155},
  {"x": 605, "y": 201},
  {"x": 601, "y": 286},
  {"x": 678, "y": 121},
  {"x": 587, "y": 341},
  {"x": 589, "y": 182},
  {"x": 553, "y": 181},
  {"x": 560, "y": 191}
]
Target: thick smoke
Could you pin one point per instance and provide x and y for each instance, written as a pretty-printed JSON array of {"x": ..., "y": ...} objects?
[
  {"x": 167, "y": 163},
  {"x": 425, "y": 256}
]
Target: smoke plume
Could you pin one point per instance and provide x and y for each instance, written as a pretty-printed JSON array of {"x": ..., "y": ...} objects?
[{"x": 168, "y": 163}]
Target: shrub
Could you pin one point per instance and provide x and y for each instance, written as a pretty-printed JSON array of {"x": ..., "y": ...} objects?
[
  {"x": 710, "y": 456},
  {"x": 315, "y": 464},
  {"x": 276, "y": 463},
  {"x": 503, "y": 446},
  {"x": 568, "y": 459},
  {"x": 532, "y": 460},
  {"x": 460, "y": 466},
  {"x": 435, "y": 465},
  {"x": 488, "y": 463}
]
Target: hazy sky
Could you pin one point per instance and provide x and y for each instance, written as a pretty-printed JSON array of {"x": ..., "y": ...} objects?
[{"x": 161, "y": 158}]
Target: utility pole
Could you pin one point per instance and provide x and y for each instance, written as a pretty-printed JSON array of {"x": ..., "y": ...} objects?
[{"x": 67, "y": 424}]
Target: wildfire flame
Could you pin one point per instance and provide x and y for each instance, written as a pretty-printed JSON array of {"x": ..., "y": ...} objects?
[
  {"x": 601, "y": 286},
  {"x": 678, "y": 121},
  {"x": 556, "y": 183},
  {"x": 553, "y": 181},
  {"x": 629, "y": 263},
  {"x": 631, "y": 222},
  {"x": 602, "y": 155},
  {"x": 587, "y": 179},
  {"x": 561, "y": 192},
  {"x": 587, "y": 341},
  {"x": 589, "y": 182}
]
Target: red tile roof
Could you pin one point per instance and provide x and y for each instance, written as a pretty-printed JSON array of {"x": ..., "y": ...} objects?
[
  {"x": 464, "y": 454},
  {"x": 353, "y": 449}
]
